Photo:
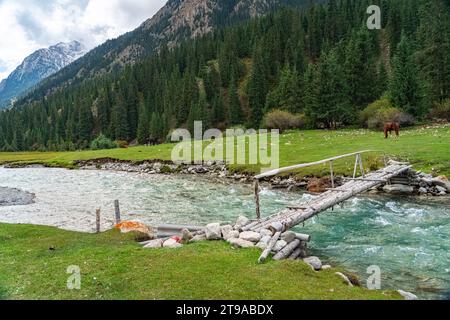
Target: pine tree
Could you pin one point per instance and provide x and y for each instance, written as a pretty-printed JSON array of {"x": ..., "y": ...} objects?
[
  {"x": 256, "y": 89},
  {"x": 235, "y": 113}
]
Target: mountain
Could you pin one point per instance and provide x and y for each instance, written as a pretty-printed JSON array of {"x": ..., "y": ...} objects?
[
  {"x": 177, "y": 20},
  {"x": 38, "y": 66}
]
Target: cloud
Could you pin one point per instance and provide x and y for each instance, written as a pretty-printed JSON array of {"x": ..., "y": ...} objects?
[{"x": 31, "y": 25}]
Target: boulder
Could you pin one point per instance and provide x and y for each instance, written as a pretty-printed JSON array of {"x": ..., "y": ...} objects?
[
  {"x": 314, "y": 262},
  {"x": 266, "y": 232},
  {"x": 441, "y": 189},
  {"x": 250, "y": 236},
  {"x": 240, "y": 243},
  {"x": 172, "y": 243},
  {"x": 142, "y": 231},
  {"x": 407, "y": 295},
  {"x": 345, "y": 278},
  {"x": 233, "y": 234},
  {"x": 423, "y": 190},
  {"x": 318, "y": 185},
  {"x": 197, "y": 238},
  {"x": 398, "y": 189},
  {"x": 442, "y": 181},
  {"x": 241, "y": 222},
  {"x": 288, "y": 236},
  {"x": 153, "y": 244},
  {"x": 213, "y": 231},
  {"x": 226, "y": 230},
  {"x": 326, "y": 267},
  {"x": 279, "y": 245}
]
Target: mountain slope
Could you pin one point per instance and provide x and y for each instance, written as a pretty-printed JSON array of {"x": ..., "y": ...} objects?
[
  {"x": 177, "y": 20},
  {"x": 38, "y": 66}
]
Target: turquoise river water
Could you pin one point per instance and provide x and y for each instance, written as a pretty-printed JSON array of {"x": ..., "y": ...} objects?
[{"x": 408, "y": 239}]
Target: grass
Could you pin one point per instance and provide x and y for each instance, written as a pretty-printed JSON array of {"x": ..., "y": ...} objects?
[
  {"x": 427, "y": 148},
  {"x": 113, "y": 266}
]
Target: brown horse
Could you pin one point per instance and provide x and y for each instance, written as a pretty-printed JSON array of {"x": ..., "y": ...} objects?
[{"x": 391, "y": 126}]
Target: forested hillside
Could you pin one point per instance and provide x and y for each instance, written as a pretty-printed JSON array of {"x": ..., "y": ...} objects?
[{"x": 321, "y": 65}]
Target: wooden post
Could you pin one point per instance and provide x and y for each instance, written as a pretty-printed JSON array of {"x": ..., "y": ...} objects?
[
  {"x": 258, "y": 210},
  {"x": 332, "y": 174},
  {"x": 97, "y": 222},
  {"x": 117, "y": 211},
  {"x": 356, "y": 166},
  {"x": 361, "y": 167}
]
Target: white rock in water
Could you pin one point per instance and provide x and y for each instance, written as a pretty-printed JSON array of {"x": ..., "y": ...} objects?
[
  {"x": 314, "y": 262},
  {"x": 266, "y": 232},
  {"x": 153, "y": 244},
  {"x": 226, "y": 230},
  {"x": 250, "y": 236},
  {"x": 288, "y": 236},
  {"x": 407, "y": 295},
  {"x": 240, "y": 243},
  {"x": 398, "y": 189},
  {"x": 242, "y": 221},
  {"x": 199, "y": 237},
  {"x": 279, "y": 245},
  {"x": 172, "y": 243},
  {"x": 213, "y": 231},
  {"x": 345, "y": 278}
]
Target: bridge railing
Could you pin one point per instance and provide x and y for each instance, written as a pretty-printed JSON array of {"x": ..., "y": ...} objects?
[{"x": 358, "y": 163}]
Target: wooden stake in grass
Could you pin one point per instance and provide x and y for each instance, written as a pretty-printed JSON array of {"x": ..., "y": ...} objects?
[
  {"x": 258, "y": 210},
  {"x": 117, "y": 211},
  {"x": 97, "y": 222}
]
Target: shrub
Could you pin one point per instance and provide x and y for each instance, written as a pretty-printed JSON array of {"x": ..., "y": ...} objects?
[
  {"x": 283, "y": 120},
  {"x": 122, "y": 144},
  {"x": 102, "y": 142},
  {"x": 380, "y": 112},
  {"x": 441, "y": 110}
]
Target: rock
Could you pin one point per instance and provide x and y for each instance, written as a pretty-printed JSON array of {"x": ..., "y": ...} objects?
[
  {"x": 197, "y": 238},
  {"x": 442, "y": 181},
  {"x": 407, "y": 295},
  {"x": 186, "y": 236},
  {"x": 318, "y": 185},
  {"x": 279, "y": 245},
  {"x": 250, "y": 236},
  {"x": 142, "y": 231},
  {"x": 423, "y": 190},
  {"x": 213, "y": 231},
  {"x": 15, "y": 197},
  {"x": 233, "y": 234},
  {"x": 240, "y": 243},
  {"x": 345, "y": 278},
  {"x": 241, "y": 222},
  {"x": 172, "y": 243},
  {"x": 153, "y": 244},
  {"x": 398, "y": 189},
  {"x": 314, "y": 262},
  {"x": 326, "y": 267},
  {"x": 226, "y": 230},
  {"x": 266, "y": 232},
  {"x": 288, "y": 236},
  {"x": 441, "y": 189}
]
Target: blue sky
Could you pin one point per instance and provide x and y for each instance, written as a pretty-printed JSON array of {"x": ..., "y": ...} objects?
[{"x": 28, "y": 25}]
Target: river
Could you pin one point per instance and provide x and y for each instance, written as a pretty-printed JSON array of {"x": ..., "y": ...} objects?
[{"x": 408, "y": 239}]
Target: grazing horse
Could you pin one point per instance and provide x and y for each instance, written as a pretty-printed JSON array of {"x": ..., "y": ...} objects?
[{"x": 391, "y": 126}]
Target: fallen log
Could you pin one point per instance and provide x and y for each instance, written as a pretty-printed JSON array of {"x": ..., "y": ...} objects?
[
  {"x": 270, "y": 246},
  {"x": 303, "y": 237},
  {"x": 287, "y": 250},
  {"x": 297, "y": 252}
]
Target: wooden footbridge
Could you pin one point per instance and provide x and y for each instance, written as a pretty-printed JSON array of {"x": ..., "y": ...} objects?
[{"x": 295, "y": 215}]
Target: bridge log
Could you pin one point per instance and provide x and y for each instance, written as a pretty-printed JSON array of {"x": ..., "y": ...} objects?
[
  {"x": 287, "y": 250},
  {"x": 270, "y": 246}
]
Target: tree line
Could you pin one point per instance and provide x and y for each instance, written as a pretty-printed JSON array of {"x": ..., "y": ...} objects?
[{"x": 321, "y": 63}]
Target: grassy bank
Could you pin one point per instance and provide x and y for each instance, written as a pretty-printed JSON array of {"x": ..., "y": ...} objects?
[
  {"x": 425, "y": 147},
  {"x": 115, "y": 267}
]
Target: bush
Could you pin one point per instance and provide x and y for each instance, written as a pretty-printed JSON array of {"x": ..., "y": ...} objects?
[
  {"x": 283, "y": 120},
  {"x": 122, "y": 144},
  {"x": 380, "y": 112},
  {"x": 102, "y": 142},
  {"x": 441, "y": 110}
]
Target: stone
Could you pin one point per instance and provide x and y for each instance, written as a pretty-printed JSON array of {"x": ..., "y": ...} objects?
[
  {"x": 186, "y": 236},
  {"x": 288, "y": 236},
  {"x": 326, "y": 267},
  {"x": 233, "y": 234},
  {"x": 250, "y": 236},
  {"x": 213, "y": 231},
  {"x": 423, "y": 191},
  {"x": 314, "y": 262},
  {"x": 345, "y": 278},
  {"x": 317, "y": 185},
  {"x": 197, "y": 238},
  {"x": 226, "y": 230},
  {"x": 241, "y": 222},
  {"x": 442, "y": 181},
  {"x": 142, "y": 231},
  {"x": 441, "y": 189},
  {"x": 240, "y": 243},
  {"x": 279, "y": 245},
  {"x": 266, "y": 232},
  {"x": 172, "y": 243},
  {"x": 407, "y": 295},
  {"x": 398, "y": 189},
  {"x": 153, "y": 244}
]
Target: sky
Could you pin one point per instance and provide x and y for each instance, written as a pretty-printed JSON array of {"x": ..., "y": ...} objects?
[{"x": 28, "y": 25}]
